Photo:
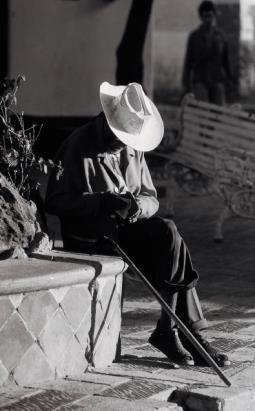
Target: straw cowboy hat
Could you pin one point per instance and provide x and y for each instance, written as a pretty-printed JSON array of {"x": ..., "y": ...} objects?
[{"x": 132, "y": 116}]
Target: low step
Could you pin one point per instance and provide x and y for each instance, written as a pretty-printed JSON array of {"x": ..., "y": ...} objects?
[
  {"x": 116, "y": 404},
  {"x": 215, "y": 399}
]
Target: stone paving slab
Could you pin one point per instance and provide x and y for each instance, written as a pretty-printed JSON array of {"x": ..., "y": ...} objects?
[
  {"x": 10, "y": 395},
  {"x": 72, "y": 387},
  {"x": 43, "y": 400},
  {"x": 116, "y": 404},
  {"x": 70, "y": 395},
  {"x": 139, "y": 388},
  {"x": 100, "y": 379},
  {"x": 245, "y": 379},
  {"x": 215, "y": 399}
]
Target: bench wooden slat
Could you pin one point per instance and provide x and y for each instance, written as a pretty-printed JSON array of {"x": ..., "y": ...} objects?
[
  {"x": 197, "y": 156},
  {"x": 221, "y": 138},
  {"x": 193, "y": 130},
  {"x": 222, "y": 118},
  {"x": 198, "y": 139},
  {"x": 219, "y": 109},
  {"x": 228, "y": 129},
  {"x": 202, "y": 137},
  {"x": 205, "y": 156},
  {"x": 205, "y": 124},
  {"x": 192, "y": 163},
  {"x": 192, "y": 145}
]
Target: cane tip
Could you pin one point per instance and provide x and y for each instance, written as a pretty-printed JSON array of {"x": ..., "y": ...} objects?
[{"x": 174, "y": 366}]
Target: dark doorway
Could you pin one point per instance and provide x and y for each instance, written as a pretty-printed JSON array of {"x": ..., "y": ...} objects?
[{"x": 4, "y": 37}]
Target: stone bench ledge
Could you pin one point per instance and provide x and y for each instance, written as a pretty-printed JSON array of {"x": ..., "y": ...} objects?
[{"x": 55, "y": 269}]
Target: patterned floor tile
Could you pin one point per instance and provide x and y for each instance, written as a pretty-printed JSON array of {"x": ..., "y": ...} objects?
[
  {"x": 83, "y": 331},
  {"x": 73, "y": 360},
  {"x": 15, "y": 339},
  {"x": 44, "y": 401},
  {"x": 33, "y": 366},
  {"x": 59, "y": 293},
  {"x": 6, "y": 309},
  {"x": 75, "y": 304},
  {"x": 136, "y": 389},
  {"x": 228, "y": 345},
  {"x": 4, "y": 374},
  {"x": 16, "y": 299},
  {"x": 36, "y": 310},
  {"x": 106, "y": 336},
  {"x": 55, "y": 337},
  {"x": 229, "y": 326}
]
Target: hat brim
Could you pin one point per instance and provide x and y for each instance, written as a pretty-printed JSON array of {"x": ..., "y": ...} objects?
[{"x": 152, "y": 130}]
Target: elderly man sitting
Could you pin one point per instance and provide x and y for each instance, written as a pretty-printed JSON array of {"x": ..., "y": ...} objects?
[{"x": 106, "y": 189}]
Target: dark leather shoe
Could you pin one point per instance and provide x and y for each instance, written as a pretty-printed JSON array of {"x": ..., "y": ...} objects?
[
  {"x": 169, "y": 344},
  {"x": 220, "y": 358}
]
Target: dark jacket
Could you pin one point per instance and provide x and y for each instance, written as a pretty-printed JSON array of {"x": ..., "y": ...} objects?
[{"x": 88, "y": 171}]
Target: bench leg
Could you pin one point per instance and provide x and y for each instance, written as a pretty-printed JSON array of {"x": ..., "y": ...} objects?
[{"x": 224, "y": 215}]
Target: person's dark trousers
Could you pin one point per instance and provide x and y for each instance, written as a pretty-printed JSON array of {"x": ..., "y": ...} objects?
[
  {"x": 159, "y": 251},
  {"x": 214, "y": 93}
]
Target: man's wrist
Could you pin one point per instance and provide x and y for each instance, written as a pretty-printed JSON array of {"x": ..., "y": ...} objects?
[{"x": 135, "y": 216}]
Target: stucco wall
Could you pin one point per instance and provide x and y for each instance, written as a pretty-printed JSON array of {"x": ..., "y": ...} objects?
[{"x": 66, "y": 49}]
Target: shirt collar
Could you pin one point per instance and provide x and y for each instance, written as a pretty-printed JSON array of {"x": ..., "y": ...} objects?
[
  {"x": 129, "y": 150},
  {"x": 100, "y": 144}
]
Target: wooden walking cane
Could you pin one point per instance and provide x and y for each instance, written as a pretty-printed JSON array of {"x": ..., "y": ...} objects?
[{"x": 169, "y": 311}]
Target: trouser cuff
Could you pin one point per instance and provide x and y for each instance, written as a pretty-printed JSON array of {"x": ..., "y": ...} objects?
[
  {"x": 175, "y": 288},
  {"x": 199, "y": 325}
]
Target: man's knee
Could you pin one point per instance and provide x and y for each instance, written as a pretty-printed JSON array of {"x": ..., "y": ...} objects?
[
  {"x": 172, "y": 232},
  {"x": 164, "y": 230}
]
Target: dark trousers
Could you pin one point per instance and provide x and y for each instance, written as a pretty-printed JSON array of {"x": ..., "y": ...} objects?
[
  {"x": 213, "y": 93},
  {"x": 159, "y": 251}
]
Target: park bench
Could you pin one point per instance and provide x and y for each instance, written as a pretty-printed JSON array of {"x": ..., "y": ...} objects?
[{"x": 214, "y": 153}]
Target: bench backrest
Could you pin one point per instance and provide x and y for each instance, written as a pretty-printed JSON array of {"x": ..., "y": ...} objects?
[{"x": 209, "y": 130}]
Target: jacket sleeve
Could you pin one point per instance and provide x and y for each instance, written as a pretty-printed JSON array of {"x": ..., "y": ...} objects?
[
  {"x": 68, "y": 196},
  {"x": 147, "y": 198}
]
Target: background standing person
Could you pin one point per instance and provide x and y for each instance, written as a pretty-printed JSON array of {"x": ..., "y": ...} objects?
[{"x": 207, "y": 70}]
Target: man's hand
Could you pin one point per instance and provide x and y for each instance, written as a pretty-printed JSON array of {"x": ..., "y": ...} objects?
[
  {"x": 134, "y": 210},
  {"x": 123, "y": 205},
  {"x": 112, "y": 203}
]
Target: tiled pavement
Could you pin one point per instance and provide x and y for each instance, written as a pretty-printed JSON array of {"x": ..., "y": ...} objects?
[{"x": 144, "y": 380}]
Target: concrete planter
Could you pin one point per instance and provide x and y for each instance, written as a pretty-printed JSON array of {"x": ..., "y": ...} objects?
[{"x": 59, "y": 313}]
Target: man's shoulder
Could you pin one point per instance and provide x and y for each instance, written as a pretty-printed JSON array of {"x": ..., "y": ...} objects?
[
  {"x": 84, "y": 137},
  {"x": 195, "y": 33},
  {"x": 195, "y": 36},
  {"x": 199, "y": 32},
  {"x": 84, "y": 130}
]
